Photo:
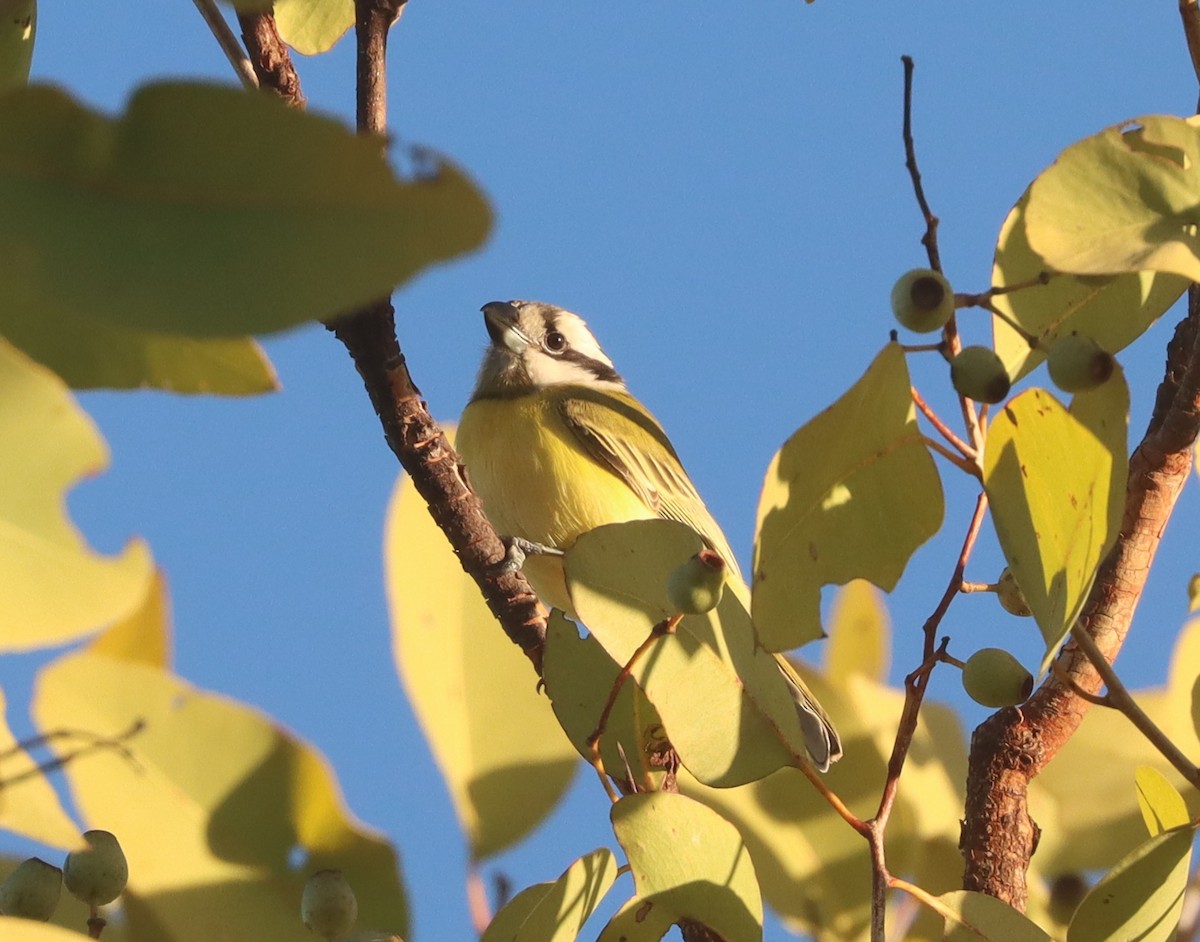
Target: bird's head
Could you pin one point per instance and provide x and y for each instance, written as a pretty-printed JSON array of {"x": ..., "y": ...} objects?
[{"x": 535, "y": 345}]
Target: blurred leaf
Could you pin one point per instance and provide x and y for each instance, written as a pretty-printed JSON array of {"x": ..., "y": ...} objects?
[
  {"x": 722, "y": 698},
  {"x": 983, "y": 918},
  {"x": 144, "y": 634},
  {"x": 13, "y": 929},
  {"x": 92, "y": 354},
  {"x": 556, "y": 912},
  {"x": 579, "y": 676},
  {"x": 1114, "y": 311},
  {"x": 1056, "y": 484},
  {"x": 858, "y": 471},
  {"x": 1141, "y": 897},
  {"x": 212, "y": 804},
  {"x": 56, "y": 588},
  {"x": 1123, "y": 200},
  {"x": 1162, "y": 806},
  {"x": 18, "y": 29},
  {"x": 313, "y": 26},
  {"x": 860, "y": 634},
  {"x": 688, "y": 863},
  {"x": 29, "y": 805},
  {"x": 208, "y": 211},
  {"x": 495, "y": 738}
]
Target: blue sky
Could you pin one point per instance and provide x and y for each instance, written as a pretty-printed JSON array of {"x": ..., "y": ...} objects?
[{"x": 719, "y": 189}]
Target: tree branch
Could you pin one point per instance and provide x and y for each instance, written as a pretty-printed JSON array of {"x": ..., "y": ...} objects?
[
  {"x": 270, "y": 57},
  {"x": 1012, "y": 746}
]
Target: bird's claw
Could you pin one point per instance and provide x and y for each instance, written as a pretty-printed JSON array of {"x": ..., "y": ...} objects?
[{"x": 518, "y": 549}]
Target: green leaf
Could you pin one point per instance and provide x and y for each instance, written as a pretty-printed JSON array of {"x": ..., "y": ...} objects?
[
  {"x": 1114, "y": 311},
  {"x": 1141, "y": 897},
  {"x": 55, "y": 587},
  {"x": 722, "y": 698},
  {"x": 579, "y": 676},
  {"x": 211, "y": 211},
  {"x": 859, "y": 634},
  {"x": 858, "y": 470},
  {"x": 1126, "y": 199},
  {"x": 1162, "y": 806},
  {"x": 495, "y": 738},
  {"x": 982, "y": 918},
  {"x": 688, "y": 863},
  {"x": 556, "y": 912},
  {"x": 313, "y": 26},
  {"x": 93, "y": 354},
  {"x": 212, "y": 802},
  {"x": 1055, "y": 481},
  {"x": 18, "y": 29}
]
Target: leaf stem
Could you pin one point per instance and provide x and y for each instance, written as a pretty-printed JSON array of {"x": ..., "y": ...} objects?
[{"x": 943, "y": 429}]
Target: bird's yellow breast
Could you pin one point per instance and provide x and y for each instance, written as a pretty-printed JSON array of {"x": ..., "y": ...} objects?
[{"x": 537, "y": 482}]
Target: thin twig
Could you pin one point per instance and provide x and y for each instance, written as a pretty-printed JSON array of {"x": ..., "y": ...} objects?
[
  {"x": 963, "y": 464},
  {"x": 929, "y": 239},
  {"x": 943, "y": 429},
  {"x": 228, "y": 42},
  {"x": 1119, "y": 698}
]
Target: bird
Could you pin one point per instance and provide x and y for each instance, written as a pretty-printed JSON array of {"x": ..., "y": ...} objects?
[{"x": 555, "y": 445}]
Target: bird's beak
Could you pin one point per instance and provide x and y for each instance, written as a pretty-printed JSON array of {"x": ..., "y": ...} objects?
[{"x": 501, "y": 318}]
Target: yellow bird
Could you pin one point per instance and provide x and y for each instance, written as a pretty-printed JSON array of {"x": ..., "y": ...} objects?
[{"x": 555, "y": 446}]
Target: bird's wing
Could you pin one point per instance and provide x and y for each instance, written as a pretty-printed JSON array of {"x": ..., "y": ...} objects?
[{"x": 623, "y": 437}]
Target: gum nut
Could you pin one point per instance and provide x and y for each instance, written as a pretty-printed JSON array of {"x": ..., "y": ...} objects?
[
  {"x": 98, "y": 873},
  {"x": 1012, "y": 599},
  {"x": 922, "y": 300},
  {"x": 696, "y": 586},
  {"x": 32, "y": 890},
  {"x": 328, "y": 905},
  {"x": 977, "y": 373},
  {"x": 1077, "y": 363},
  {"x": 994, "y": 678}
]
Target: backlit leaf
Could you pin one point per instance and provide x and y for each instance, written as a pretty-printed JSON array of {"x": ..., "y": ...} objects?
[
  {"x": 55, "y": 587},
  {"x": 688, "y": 863},
  {"x": 1112, "y": 310},
  {"x": 859, "y": 634},
  {"x": 1141, "y": 897},
  {"x": 13, "y": 929},
  {"x": 502, "y": 754},
  {"x": 1056, "y": 485},
  {"x": 1162, "y": 806},
  {"x": 982, "y": 918},
  {"x": 145, "y": 633},
  {"x": 556, "y": 912},
  {"x": 721, "y": 697},
  {"x": 1126, "y": 199},
  {"x": 857, "y": 471},
  {"x": 221, "y": 813},
  {"x": 313, "y": 26},
  {"x": 208, "y": 210},
  {"x": 29, "y": 805}
]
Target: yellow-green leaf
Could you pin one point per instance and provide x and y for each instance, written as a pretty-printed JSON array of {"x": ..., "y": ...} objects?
[
  {"x": 1141, "y": 897},
  {"x": 18, "y": 28},
  {"x": 211, "y": 802},
  {"x": 579, "y": 676},
  {"x": 207, "y": 210},
  {"x": 313, "y": 26},
  {"x": 721, "y": 697},
  {"x": 502, "y": 754},
  {"x": 978, "y": 917},
  {"x": 13, "y": 929},
  {"x": 55, "y": 587},
  {"x": 859, "y": 634},
  {"x": 1114, "y": 311},
  {"x": 1056, "y": 485},
  {"x": 29, "y": 805},
  {"x": 556, "y": 912},
  {"x": 144, "y": 634},
  {"x": 93, "y": 354},
  {"x": 1126, "y": 199},
  {"x": 1162, "y": 806},
  {"x": 688, "y": 863},
  {"x": 858, "y": 470}
]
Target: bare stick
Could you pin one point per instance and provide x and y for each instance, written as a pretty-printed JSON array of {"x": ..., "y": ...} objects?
[
  {"x": 228, "y": 42},
  {"x": 935, "y": 420}
]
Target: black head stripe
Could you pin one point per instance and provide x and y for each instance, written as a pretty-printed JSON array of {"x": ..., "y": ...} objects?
[{"x": 602, "y": 371}]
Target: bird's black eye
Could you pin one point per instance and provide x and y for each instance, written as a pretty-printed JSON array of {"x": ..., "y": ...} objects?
[{"x": 555, "y": 342}]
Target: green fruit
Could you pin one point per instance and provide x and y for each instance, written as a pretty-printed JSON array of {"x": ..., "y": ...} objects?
[
  {"x": 994, "y": 678},
  {"x": 923, "y": 300},
  {"x": 1076, "y": 363},
  {"x": 328, "y": 905},
  {"x": 98, "y": 873},
  {"x": 1012, "y": 599},
  {"x": 978, "y": 374},
  {"x": 32, "y": 890},
  {"x": 696, "y": 586}
]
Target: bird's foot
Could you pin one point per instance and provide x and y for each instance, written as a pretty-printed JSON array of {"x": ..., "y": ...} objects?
[{"x": 517, "y": 550}]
